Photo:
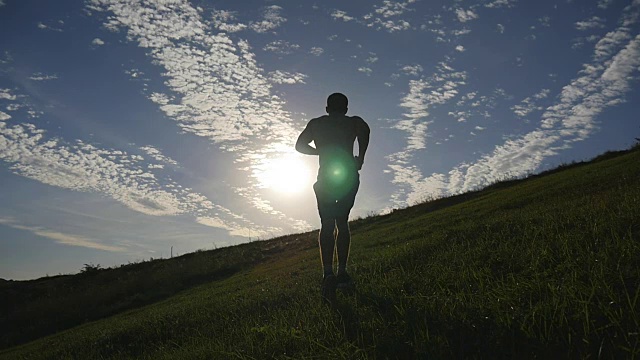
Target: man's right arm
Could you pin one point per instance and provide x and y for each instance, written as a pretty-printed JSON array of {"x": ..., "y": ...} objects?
[{"x": 305, "y": 138}]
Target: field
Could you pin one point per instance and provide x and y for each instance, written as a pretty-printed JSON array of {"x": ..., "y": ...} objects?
[{"x": 545, "y": 267}]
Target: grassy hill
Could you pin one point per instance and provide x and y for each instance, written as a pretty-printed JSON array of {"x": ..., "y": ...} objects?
[{"x": 536, "y": 268}]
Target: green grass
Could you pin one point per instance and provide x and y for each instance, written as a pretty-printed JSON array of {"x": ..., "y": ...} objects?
[{"x": 539, "y": 268}]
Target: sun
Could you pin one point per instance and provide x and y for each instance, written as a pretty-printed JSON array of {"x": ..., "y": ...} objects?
[{"x": 287, "y": 175}]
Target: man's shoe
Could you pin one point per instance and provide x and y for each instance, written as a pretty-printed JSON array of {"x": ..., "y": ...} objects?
[
  {"x": 345, "y": 282},
  {"x": 329, "y": 289}
]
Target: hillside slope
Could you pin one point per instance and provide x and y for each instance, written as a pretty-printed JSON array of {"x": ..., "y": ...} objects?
[{"x": 544, "y": 267}]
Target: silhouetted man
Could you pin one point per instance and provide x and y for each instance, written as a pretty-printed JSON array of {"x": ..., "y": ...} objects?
[{"x": 338, "y": 180}]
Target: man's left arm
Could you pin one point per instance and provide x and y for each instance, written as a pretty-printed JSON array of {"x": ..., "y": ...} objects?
[
  {"x": 305, "y": 138},
  {"x": 362, "y": 134}
]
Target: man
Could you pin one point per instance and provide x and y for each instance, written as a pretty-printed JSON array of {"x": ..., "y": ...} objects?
[{"x": 337, "y": 184}]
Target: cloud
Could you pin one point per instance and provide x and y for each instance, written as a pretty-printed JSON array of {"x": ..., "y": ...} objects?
[
  {"x": 271, "y": 20},
  {"x": 572, "y": 118},
  {"x": 284, "y": 77},
  {"x": 2, "y": 3},
  {"x": 62, "y": 238},
  {"x": 316, "y": 51},
  {"x": 157, "y": 155},
  {"x": 501, "y": 3},
  {"x": 341, "y": 15},
  {"x": 465, "y": 15},
  {"x": 381, "y": 17},
  {"x": 365, "y": 70},
  {"x": 529, "y": 104},
  {"x": 592, "y": 23},
  {"x": 423, "y": 94},
  {"x": 414, "y": 70},
  {"x": 215, "y": 87},
  {"x": 500, "y": 28},
  {"x": 460, "y": 48},
  {"x": 115, "y": 174},
  {"x": 603, "y": 4},
  {"x": 97, "y": 42},
  {"x": 57, "y": 28},
  {"x": 4, "y": 116},
  {"x": 222, "y": 21},
  {"x": 42, "y": 77},
  {"x": 281, "y": 47}
]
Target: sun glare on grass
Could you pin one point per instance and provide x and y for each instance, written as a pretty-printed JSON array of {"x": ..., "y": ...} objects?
[{"x": 287, "y": 175}]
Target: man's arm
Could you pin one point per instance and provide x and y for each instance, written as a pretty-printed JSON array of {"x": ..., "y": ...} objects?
[
  {"x": 362, "y": 134},
  {"x": 306, "y": 137}
]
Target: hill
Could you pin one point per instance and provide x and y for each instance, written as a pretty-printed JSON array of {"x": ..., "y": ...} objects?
[{"x": 535, "y": 268}]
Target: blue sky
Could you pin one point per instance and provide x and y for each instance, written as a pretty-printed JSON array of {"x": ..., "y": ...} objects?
[{"x": 130, "y": 127}]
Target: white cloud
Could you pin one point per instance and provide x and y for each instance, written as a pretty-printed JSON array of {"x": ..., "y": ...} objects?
[
  {"x": 603, "y": 4},
  {"x": 466, "y": 15},
  {"x": 423, "y": 94},
  {"x": 284, "y": 77},
  {"x": 501, "y": 3},
  {"x": 592, "y": 23},
  {"x": 381, "y": 16},
  {"x": 4, "y": 116},
  {"x": 500, "y": 28},
  {"x": 316, "y": 51},
  {"x": 281, "y": 47},
  {"x": 530, "y": 104},
  {"x": 97, "y": 42},
  {"x": 62, "y": 238},
  {"x": 460, "y": 48},
  {"x": 2, "y": 3},
  {"x": 42, "y": 77},
  {"x": 157, "y": 155},
  {"x": 365, "y": 70},
  {"x": 57, "y": 28},
  {"x": 215, "y": 87},
  {"x": 5, "y": 94},
  {"x": 341, "y": 15},
  {"x": 572, "y": 118},
  {"x": 414, "y": 70},
  {"x": 271, "y": 20},
  {"x": 222, "y": 20}
]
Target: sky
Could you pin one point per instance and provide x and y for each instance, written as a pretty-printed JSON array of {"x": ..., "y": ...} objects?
[{"x": 138, "y": 129}]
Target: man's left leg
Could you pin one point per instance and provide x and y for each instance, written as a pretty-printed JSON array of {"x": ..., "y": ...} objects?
[{"x": 343, "y": 243}]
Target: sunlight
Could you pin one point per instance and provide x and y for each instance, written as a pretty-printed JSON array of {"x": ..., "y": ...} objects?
[{"x": 287, "y": 175}]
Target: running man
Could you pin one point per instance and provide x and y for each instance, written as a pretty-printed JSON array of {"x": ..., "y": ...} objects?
[{"x": 338, "y": 180}]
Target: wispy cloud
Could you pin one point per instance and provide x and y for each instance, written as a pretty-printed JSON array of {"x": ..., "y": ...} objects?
[
  {"x": 281, "y": 47},
  {"x": 97, "y": 42},
  {"x": 423, "y": 94},
  {"x": 501, "y": 3},
  {"x": 62, "y": 238},
  {"x": 42, "y": 77},
  {"x": 529, "y": 104},
  {"x": 316, "y": 51},
  {"x": 216, "y": 89},
  {"x": 600, "y": 84},
  {"x": 271, "y": 20},
  {"x": 341, "y": 15},
  {"x": 591, "y": 23},
  {"x": 466, "y": 15},
  {"x": 284, "y": 77}
]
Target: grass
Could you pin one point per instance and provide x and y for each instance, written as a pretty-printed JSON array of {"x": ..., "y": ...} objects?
[{"x": 536, "y": 268}]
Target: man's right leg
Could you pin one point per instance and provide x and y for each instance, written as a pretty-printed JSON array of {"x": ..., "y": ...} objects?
[{"x": 327, "y": 245}]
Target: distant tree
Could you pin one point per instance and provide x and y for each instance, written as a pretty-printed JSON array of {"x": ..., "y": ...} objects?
[{"x": 90, "y": 268}]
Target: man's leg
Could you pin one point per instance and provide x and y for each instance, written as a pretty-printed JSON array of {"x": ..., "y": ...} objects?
[
  {"x": 344, "y": 242},
  {"x": 327, "y": 245}
]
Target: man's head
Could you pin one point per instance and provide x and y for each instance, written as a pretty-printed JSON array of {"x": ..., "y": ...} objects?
[{"x": 337, "y": 103}]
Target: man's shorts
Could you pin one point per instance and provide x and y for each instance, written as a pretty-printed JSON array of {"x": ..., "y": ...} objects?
[{"x": 336, "y": 203}]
